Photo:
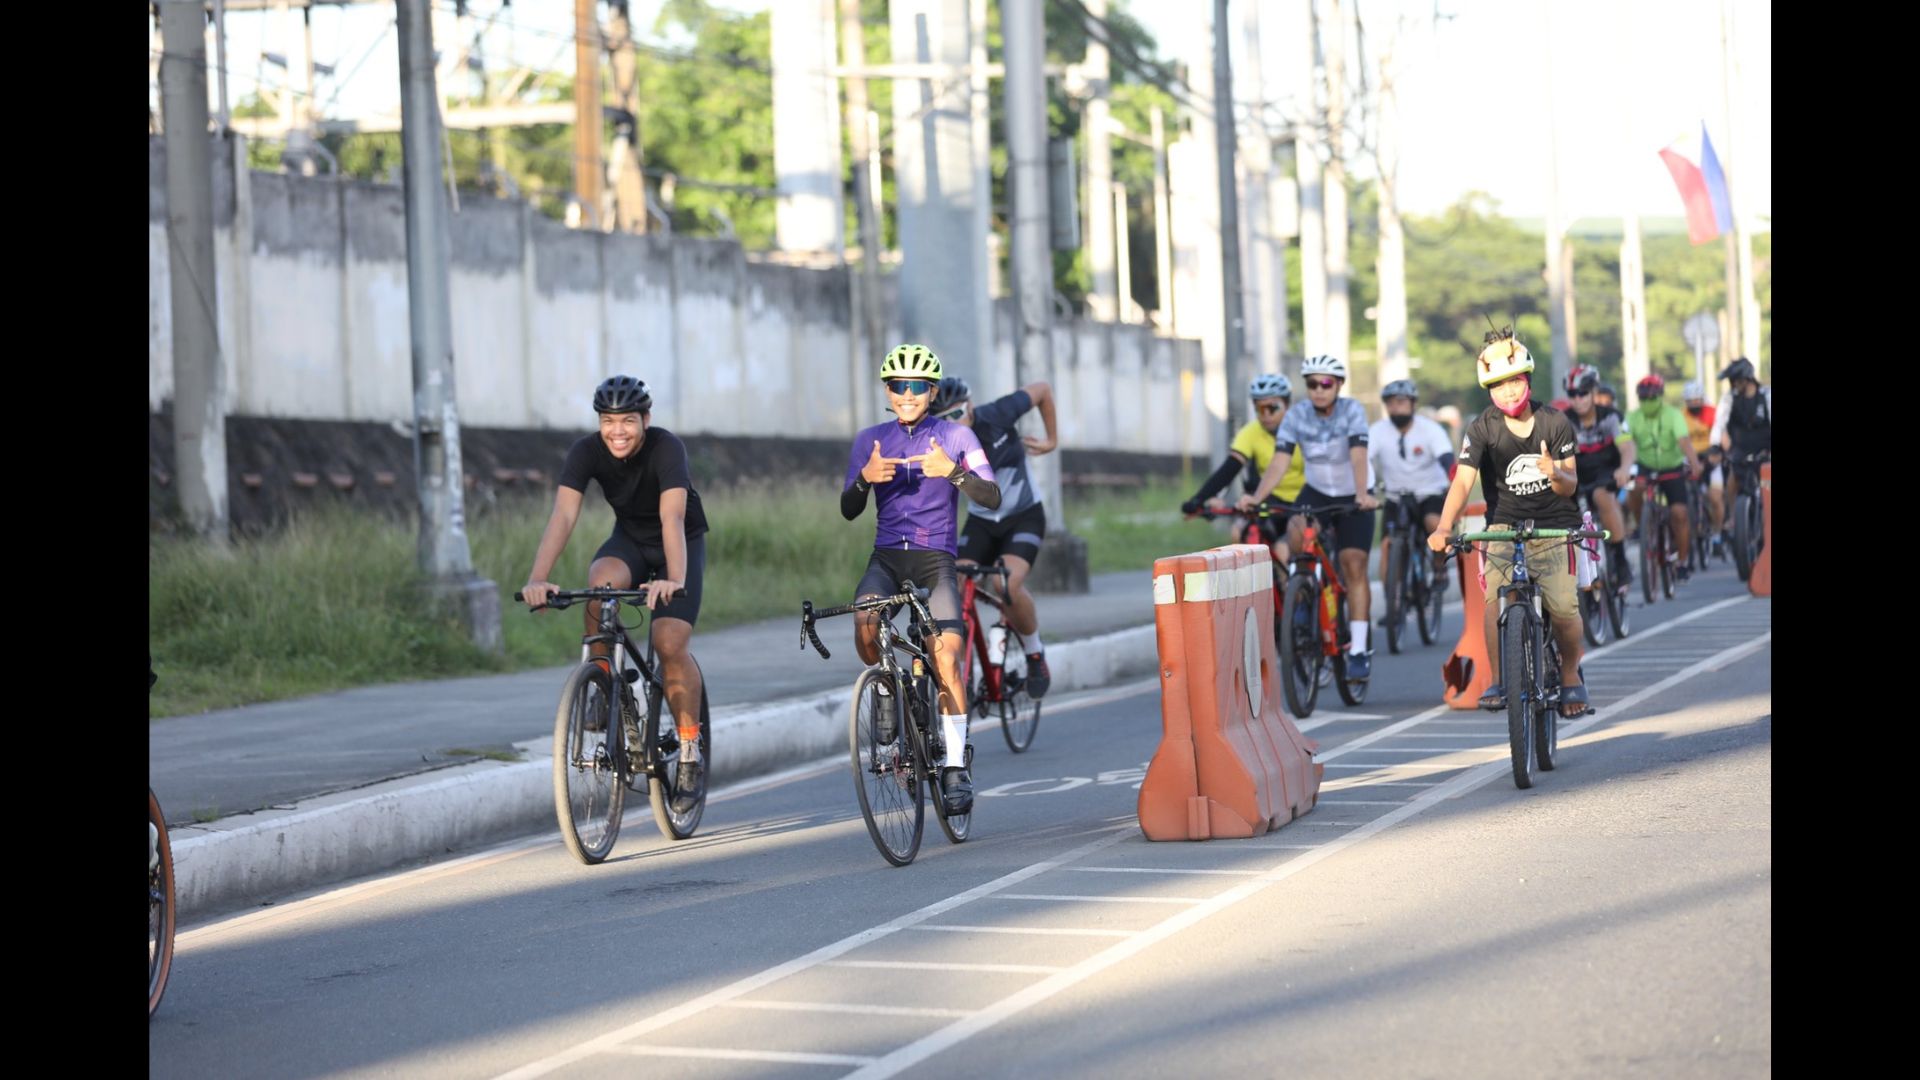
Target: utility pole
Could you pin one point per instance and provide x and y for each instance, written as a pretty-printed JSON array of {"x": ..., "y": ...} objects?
[
  {"x": 199, "y": 377},
  {"x": 1310, "y": 173},
  {"x": 587, "y": 169},
  {"x": 1025, "y": 86},
  {"x": 866, "y": 180},
  {"x": 630, "y": 182},
  {"x": 1266, "y": 262},
  {"x": 1339, "y": 308},
  {"x": 1162, "y": 224},
  {"x": 1557, "y": 283},
  {"x": 445, "y": 558},
  {"x": 1104, "y": 300},
  {"x": 1390, "y": 306},
  {"x": 1234, "y": 299}
]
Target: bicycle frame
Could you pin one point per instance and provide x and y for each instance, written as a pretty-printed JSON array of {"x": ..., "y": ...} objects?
[
  {"x": 971, "y": 595},
  {"x": 1312, "y": 559}
]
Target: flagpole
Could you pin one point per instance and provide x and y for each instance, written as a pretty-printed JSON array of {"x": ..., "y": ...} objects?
[{"x": 1730, "y": 344}]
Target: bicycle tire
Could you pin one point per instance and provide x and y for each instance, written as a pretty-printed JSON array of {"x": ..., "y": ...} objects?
[
  {"x": 1019, "y": 710},
  {"x": 1650, "y": 554},
  {"x": 1546, "y": 718},
  {"x": 1745, "y": 535},
  {"x": 162, "y": 914},
  {"x": 1397, "y": 594},
  {"x": 676, "y": 825},
  {"x": 1433, "y": 599},
  {"x": 957, "y": 826},
  {"x": 589, "y": 792},
  {"x": 1298, "y": 631},
  {"x": 1518, "y": 663},
  {"x": 892, "y": 799}
]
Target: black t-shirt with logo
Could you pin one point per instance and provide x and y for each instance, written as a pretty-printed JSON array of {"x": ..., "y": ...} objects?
[
  {"x": 633, "y": 486},
  {"x": 1510, "y": 476}
]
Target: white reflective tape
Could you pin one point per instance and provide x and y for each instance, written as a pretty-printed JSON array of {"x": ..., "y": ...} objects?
[
  {"x": 1162, "y": 589},
  {"x": 1200, "y": 587}
]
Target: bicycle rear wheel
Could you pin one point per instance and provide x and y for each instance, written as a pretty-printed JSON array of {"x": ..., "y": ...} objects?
[
  {"x": 885, "y": 775},
  {"x": 1019, "y": 712},
  {"x": 1594, "y": 618},
  {"x": 1353, "y": 693},
  {"x": 663, "y": 783},
  {"x": 160, "y": 906},
  {"x": 1298, "y": 628},
  {"x": 588, "y": 760},
  {"x": 1519, "y": 667}
]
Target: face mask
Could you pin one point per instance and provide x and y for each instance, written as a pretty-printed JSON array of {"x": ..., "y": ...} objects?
[
  {"x": 1402, "y": 422},
  {"x": 1696, "y": 409},
  {"x": 1514, "y": 410}
]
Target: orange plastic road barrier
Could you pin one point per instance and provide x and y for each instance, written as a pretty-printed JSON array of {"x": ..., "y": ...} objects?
[
  {"x": 1760, "y": 578},
  {"x": 1468, "y": 671},
  {"x": 1230, "y": 763}
]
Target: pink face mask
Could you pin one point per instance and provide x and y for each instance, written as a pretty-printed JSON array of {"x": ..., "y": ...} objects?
[{"x": 1519, "y": 406}]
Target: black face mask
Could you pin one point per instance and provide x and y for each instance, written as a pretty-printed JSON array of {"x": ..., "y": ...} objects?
[{"x": 1402, "y": 422}]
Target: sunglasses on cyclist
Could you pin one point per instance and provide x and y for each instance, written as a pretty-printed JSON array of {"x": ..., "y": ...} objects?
[
  {"x": 909, "y": 386},
  {"x": 1322, "y": 384},
  {"x": 1268, "y": 410},
  {"x": 1581, "y": 393},
  {"x": 954, "y": 413}
]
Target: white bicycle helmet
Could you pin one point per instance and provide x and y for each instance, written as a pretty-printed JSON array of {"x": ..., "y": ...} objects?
[
  {"x": 1694, "y": 392},
  {"x": 1324, "y": 365},
  {"x": 1503, "y": 358}
]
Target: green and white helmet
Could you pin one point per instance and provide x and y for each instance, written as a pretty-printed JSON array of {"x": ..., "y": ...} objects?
[{"x": 911, "y": 362}]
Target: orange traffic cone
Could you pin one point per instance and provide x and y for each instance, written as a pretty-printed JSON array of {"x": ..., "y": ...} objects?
[{"x": 1468, "y": 672}]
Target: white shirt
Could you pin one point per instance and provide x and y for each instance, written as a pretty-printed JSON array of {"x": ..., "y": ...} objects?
[{"x": 1410, "y": 462}]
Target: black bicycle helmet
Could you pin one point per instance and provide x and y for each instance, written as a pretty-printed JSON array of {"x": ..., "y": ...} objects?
[
  {"x": 953, "y": 390},
  {"x": 622, "y": 394}
]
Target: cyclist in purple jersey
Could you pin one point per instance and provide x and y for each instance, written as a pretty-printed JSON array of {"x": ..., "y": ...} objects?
[{"x": 917, "y": 467}]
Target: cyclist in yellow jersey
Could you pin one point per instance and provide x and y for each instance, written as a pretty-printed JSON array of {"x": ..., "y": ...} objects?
[{"x": 1253, "y": 446}]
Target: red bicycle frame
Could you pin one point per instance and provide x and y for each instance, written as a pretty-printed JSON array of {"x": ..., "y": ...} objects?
[{"x": 990, "y": 688}]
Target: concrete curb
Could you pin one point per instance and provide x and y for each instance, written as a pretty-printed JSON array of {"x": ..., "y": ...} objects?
[{"x": 235, "y": 861}]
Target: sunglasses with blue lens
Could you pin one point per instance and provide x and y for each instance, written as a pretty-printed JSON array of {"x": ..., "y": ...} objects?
[
  {"x": 954, "y": 413},
  {"x": 909, "y": 386}
]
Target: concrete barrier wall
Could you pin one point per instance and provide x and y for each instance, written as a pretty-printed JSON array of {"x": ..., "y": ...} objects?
[{"x": 313, "y": 323}]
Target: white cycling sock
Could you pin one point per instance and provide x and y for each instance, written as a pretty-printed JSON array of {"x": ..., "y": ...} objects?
[
  {"x": 1034, "y": 648},
  {"x": 953, "y": 729},
  {"x": 1358, "y": 631}
]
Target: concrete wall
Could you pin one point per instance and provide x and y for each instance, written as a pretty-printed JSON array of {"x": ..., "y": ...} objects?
[{"x": 312, "y": 313}]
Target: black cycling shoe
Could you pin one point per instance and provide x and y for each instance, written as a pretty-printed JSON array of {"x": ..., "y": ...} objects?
[
  {"x": 957, "y": 785},
  {"x": 1038, "y": 677},
  {"x": 1494, "y": 699},
  {"x": 690, "y": 780}
]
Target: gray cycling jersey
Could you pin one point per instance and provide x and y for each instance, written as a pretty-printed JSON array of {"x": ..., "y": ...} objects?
[{"x": 1324, "y": 442}]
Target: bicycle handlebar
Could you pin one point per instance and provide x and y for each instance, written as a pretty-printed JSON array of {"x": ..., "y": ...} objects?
[
  {"x": 911, "y": 595},
  {"x": 566, "y": 598}
]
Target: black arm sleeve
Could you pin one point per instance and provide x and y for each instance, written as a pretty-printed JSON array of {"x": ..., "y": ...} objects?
[
  {"x": 980, "y": 490},
  {"x": 1221, "y": 477},
  {"x": 853, "y": 500}
]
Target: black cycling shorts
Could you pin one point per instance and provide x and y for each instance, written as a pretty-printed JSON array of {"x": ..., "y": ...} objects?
[
  {"x": 930, "y": 570},
  {"x": 1352, "y": 531},
  {"x": 983, "y": 541},
  {"x": 645, "y": 563}
]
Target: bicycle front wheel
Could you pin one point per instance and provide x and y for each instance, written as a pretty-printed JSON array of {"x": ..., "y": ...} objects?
[
  {"x": 1019, "y": 712},
  {"x": 1746, "y": 534},
  {"x": 588, "y": 792},
  {"x": 160, "y": 906},
  {"x": 1298, "y": 628},
  {"x": 1433, "y": 597},
  {"x": 1519, "y": 666},
  {"x": 662, "y": 785},
  {"x": 1399, "y": 595},
  {"x": 891, "y": 798},
  {"x": 1650, "y": 555}
]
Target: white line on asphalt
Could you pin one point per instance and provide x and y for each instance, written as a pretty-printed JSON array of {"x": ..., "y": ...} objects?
[
  {"x": 1362, "y": 802},
  {"x": 831, "y": 1007},
  {"x": 1059, "y": 931},
  {"x": 1151, "y": 870},
  {"x": 1101, "y": 899},
  {"x": 934, "y": 965},
  {"x": 742, "y": 987},
  {"x": 783, "y": 1056},
  {"x": 900, "y": 1060}
]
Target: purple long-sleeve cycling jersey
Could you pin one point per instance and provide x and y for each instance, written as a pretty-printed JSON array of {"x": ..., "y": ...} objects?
[{"x": 917, "y": 511}]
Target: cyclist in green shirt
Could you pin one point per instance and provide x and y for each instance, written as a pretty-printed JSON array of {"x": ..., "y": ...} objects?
[{"x": 1665, "y": 453}]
